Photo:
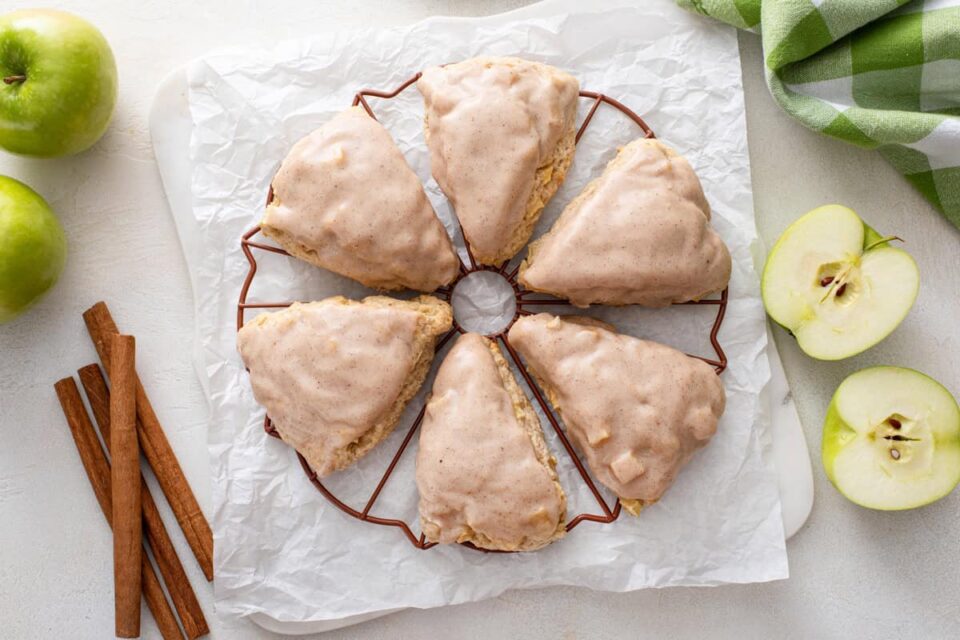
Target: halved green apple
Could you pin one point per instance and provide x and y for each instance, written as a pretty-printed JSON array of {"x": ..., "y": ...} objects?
[
  {"x": 836, "y": 284},
  {"x": 891, "y": 439}
]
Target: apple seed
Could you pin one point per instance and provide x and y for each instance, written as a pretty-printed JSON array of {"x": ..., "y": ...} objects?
[
  {"x": 826, "y": 281},
  {"x": 841, "y": 289},
  {"x": 896, "y": 424}
]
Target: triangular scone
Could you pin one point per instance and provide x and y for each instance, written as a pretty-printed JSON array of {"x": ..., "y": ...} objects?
[
  {"x": 636, "y": 409},
  {"x": 484, "y": 473},
  {"x": 335, "y": 375},
  {"x": 346, "y": 200},
  {"x": 638, "y": 234},
  {"x": 501, "y": 138}
]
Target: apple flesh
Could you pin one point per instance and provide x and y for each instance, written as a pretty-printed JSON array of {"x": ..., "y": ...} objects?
[
  {"x": 891, "y": 439},
  {"x": 33, "y": 248},
  {"x": 836, "y": 284},
  {"x": 59, "y": 83}
]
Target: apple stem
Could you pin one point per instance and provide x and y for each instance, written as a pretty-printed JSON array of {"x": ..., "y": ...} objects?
[
  {"x": 14, "y": 79},
  {"x": 883, "y": 240}
]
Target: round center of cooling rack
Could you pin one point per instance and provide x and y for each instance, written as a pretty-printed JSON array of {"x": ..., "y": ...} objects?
[{"x": 484, "y": 302}]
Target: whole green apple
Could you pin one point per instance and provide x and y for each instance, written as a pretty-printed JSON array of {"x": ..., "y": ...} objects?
[
  {"x": 59, "y": 83},
  {"x": 32, "y": 248}
]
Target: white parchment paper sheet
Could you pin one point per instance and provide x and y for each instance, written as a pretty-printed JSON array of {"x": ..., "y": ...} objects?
[{"x": 280, "y": 547}]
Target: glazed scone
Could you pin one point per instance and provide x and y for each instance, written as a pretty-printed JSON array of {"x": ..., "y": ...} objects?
[
  {"x": 636, "y": 409},
  {"x": 484, "y": 473},
  {"x": 501, "y": 134},
  {"x": 335, "y": 375},
  {"x": 638, "y": 234},
  {"x": 346, "y": 200}
]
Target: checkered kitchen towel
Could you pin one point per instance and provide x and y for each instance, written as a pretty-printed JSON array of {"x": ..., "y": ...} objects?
[{"x": 882, "y": 74}]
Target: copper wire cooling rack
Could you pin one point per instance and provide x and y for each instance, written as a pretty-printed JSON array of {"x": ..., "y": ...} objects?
[{"x": 524, "y": 303}]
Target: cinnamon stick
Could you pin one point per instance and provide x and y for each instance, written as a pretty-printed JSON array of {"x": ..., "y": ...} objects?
[
  {"x": 157, "y": 450},
  {"x": 98, "y": 471},
  {"x": 125, "y": 480},
  {"x": 178, "y": 585}
]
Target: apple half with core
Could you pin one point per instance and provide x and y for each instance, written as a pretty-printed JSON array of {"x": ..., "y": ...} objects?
[
  {"x": 836, "y": 284},
  {"x": 32, "y": 248},
  {"x": 891, "y": 439},
  {"x": 59, "y": 83}
]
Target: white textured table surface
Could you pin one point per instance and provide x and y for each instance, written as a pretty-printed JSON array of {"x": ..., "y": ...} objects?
[{"x": 855, "y": 573}]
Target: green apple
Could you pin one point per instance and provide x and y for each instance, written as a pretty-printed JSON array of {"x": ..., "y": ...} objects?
[
  {"x": 836, "y": 284},
  {"x": 59, "y": 83},
  {"x": 891, "y": 439},
  {"x": 32, "y": 248}
]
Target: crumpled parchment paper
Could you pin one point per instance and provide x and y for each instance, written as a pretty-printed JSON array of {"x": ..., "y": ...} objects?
[{"x": 281, "y": 548}]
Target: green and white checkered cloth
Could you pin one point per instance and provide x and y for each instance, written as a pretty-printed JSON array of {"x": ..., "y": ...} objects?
[{"x": 881, "y": 74}]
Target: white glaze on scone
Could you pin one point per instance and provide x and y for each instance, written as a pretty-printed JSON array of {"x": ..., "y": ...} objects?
[
  {"x": 636, "y": 409},
  {"x": 638, "y": 234},
  {"x": 345, "y": 199},
  {"x": 334, "y": 375},
  {"x": 483, "y": 470},
  {"x": 500, "y": 133}
]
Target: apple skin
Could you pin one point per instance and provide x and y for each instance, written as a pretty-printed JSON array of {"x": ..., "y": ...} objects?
[
  {"x": 33, "y": 248},
  {"x": 836, "y": 434},
  {"x": 65, "y": 103}
]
